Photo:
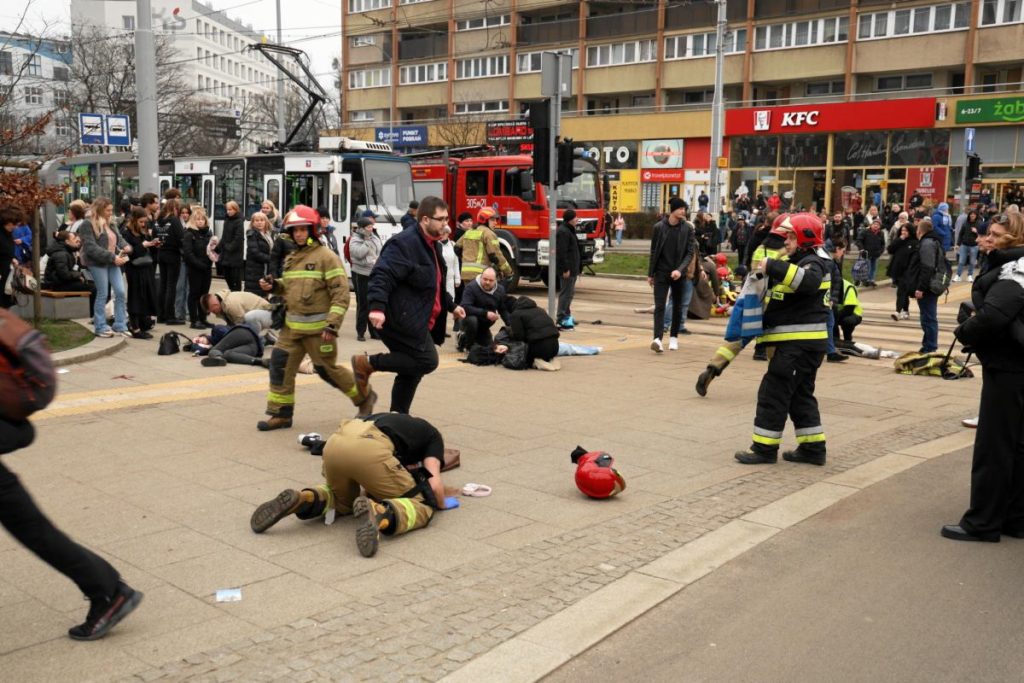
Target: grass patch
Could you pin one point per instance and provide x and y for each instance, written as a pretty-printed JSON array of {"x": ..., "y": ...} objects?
[
  {"x": 636, "y": 264},
  {"x": 65, "y": 334}
]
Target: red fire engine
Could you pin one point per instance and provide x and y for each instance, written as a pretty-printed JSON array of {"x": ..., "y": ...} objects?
[{"x": 505, "y": 183}]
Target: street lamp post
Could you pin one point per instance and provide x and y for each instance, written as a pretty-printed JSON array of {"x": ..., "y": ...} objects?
[{"x": 717, "y": 113}]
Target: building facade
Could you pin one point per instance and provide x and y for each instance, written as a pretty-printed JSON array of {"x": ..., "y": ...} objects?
[
  {"x": 649, "y": 66},
  {"x": 34, "y": 75}
]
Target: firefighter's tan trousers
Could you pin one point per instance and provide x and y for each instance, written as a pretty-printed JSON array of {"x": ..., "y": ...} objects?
[
  {"x": 285, "y": 359},
  {"x": 359, "y": 454}
]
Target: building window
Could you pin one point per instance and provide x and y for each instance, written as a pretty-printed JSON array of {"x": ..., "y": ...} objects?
[
  {"x": 33, "y": 65},
  {"x": 60, "y": 73},
  {"x": 128, "y": 22},
  {"x": 481, "y": 67},
  {"x": 614, "y": 54},
  {"x": 802, "y": 33},
  {"x": 529, "y": 62},
  {"x": 481, "y": 22},
  {"x": 6, "y": 64},
  {"x": 355, "y": 6},
  {"x": 369, "y": 78},
  {"x": 820, "y": 88},
  {"x": 1002, "y": 12},
  {"x": 362, "y": 41},
  {"x": 481, "y": 107},
  {"x": 60, "y": 99},
  {"x": 915, "y": 21},
  {"x": 410, "y": 2},
  {"x": 703, "y": 44},
  {"x": 905, "y": 82},
  {"x": 423, "y": 73},
  {"x": 61, "y": 127},
  {"x": 360, "y": 116},
  {"x": 33, "y": 95}
]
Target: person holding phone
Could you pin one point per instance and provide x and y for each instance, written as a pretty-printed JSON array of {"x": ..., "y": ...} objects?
[
  {"x": 142, "y": 299},
  {"x": 104, "y": 251}
]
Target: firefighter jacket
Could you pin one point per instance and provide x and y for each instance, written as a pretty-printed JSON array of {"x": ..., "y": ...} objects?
[
  {"x": 851, "y": 302},
  {"x": 315, "y": 289},
  {"x": 797, "y": 303},
  {"x": 480, "y": 250}
]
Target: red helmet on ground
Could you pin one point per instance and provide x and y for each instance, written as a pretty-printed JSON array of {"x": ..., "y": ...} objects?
[
  {"x": 782, "y": 225},
  {"x": 721, "y": 259},
  {"x": 808, "y": 229},
  {"x": 303, "y": 215},
  {"x": 595, "y": 475},
  {"x": 485, "y": 214},
  {"x": 723, "y": 272}
]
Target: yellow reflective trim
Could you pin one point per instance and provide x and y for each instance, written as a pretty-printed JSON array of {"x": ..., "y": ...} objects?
[
  {"x": 352, "y": 393},
  {"x": 790, "y": 274},
  {"x": 725, "y": 352},
  {"x": 302, "y": 275},
  {"x": 334, "y": 272},
  {"x": 766, "y": 440},
  {"x": 473, "y": 234},
  {"x": 281, "y": 399},
  {"x": 303, "y": 327},
  {"x": 810, "y": 438},
  {"x": 340, "y": 310},
  {"x": 326, "y": 348},
  {"x": 410, "y": 512},
  {"x": 794, "y": 336}
]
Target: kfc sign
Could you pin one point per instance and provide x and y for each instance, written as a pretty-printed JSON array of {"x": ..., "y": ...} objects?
[{"x": 829, "y": 118}]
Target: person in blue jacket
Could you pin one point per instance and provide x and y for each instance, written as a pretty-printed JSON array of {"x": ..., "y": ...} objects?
[{"x": 942, "y": 224}]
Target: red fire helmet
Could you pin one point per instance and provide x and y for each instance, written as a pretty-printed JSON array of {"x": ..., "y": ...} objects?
[{"x": 596, "y": 475}]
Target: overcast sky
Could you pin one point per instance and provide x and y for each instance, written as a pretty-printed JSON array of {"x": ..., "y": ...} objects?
[{"x": 300, "y": 20}]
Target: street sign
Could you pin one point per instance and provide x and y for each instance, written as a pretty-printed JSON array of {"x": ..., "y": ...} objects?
[
  {"x": 403, "y": 136},
  {"x": 552, "y": 81},
  {"x": 118, "y": 130},
  {"x": 91, "y": 129},
  {"x": 968, "y": 140}
]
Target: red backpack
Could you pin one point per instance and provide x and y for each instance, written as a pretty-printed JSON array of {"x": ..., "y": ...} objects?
[{"x": 28, "y": 381}]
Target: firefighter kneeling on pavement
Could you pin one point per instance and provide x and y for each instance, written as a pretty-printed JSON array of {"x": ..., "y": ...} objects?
[
  {"x": 796, "y": 336},
  {"x": 396, "y": 458},
  {"x": 315, "y": 289}
]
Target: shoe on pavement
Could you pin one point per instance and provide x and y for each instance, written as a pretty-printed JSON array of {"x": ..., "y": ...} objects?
[
  {"x": 174, "y": 321},
  {"x": 970, "y": 422},
  {"x": 752, "y": 458},
  {"x": 836, "y": 357},
  {"x": 970, "y": 278},
  {"x": 366, "y": 407},
  {"x": 198, "y": 326},
  {"x": 361, "y": 371},
  {"x": 106, "y": 613},
  {"x": 683, "y": 330},
  {"x": 956, "y": 278},
  {"x": 213, "y": 362},
  {"x": 548, "y": 365},
  {"x": 904, "y": 315},
  {"x": 273, "y": 511},
  {"x": 371, "y": 518},
  {"x": 804, "y": 457},
  {"x": 106, "y": 334},
  {"x": 896, "y": 316},
  {"x": 705, "y": 378},
  {"x": 273, "y": 423},
  {"x": 955, "y": 532},
  {"x": 656, "y": 346},
  {"x": 673, "y": 343}
]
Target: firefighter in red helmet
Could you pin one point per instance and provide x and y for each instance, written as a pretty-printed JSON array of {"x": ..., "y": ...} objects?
[
  {"x": 796, "y": 334},
  {"x": 480, "y": 248},
  {"x": 315, "y": 288}
]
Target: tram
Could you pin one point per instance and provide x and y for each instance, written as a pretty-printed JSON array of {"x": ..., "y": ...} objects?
[{"x": 346, "y": 176}]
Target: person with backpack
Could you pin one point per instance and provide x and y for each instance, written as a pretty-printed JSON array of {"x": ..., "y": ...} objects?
[
  {"x": 362, "y": 251},
  {"x": 925, "y": 274},
  {"x": 28, "y": 383}
]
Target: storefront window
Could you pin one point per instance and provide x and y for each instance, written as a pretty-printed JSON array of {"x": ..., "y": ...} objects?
[
  {"x": 919, "y": 148},
  {"x": 860, "y": 149},
  {"x": 801, "y": 151},
  {"x": 757, "y": 150}
]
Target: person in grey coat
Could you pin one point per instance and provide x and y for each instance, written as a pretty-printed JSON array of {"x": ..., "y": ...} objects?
[{"x": 363, "y": 249}]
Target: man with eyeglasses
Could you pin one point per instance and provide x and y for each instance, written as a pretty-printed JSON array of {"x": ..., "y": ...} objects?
[{"x": 406, "y": 295}]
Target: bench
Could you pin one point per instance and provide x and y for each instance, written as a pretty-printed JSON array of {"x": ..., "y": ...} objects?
[{"x": 57, "y": 305}]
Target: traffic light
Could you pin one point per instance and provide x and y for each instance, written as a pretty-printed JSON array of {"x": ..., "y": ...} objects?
[
  {"x": 566, "y": 157},
  {"x": 541, "y": 124},
  {"x": 973, "y": 167}
]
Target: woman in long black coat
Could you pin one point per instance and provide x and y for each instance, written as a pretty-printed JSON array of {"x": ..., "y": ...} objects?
[
  {"x": 901, "y": 249},
  {"x": 139, "y": 271},
  {"x": 258, "y": 245},
  {"x": 232, "y": 245}
]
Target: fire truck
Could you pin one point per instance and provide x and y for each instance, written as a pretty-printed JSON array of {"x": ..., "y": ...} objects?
[{"x": 469, "y": 179}]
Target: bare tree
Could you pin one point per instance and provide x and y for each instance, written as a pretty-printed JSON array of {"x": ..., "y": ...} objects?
[{"x": 460, "y": 130}]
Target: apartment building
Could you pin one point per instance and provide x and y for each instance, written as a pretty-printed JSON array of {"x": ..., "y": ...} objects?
[
  {"x": 34, "y": 75},
  {"x": 649, "y": 66}
]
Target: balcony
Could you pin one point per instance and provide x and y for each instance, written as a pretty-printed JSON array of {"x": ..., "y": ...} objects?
[
  {"x": 545, "y": 31},
  {"x": 770, "y": 9},
  {"x": 687, "y": 16},
  {"x": 421, "y": 45},
  {"x": 629, "y": 22}
]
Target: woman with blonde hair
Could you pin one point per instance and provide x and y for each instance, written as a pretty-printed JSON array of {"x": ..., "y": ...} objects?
[
  {"x": 995, "y": 332},
  {"x": 258, "y": 245},
  {"x": 231, "y": 246},
  {"x": 270, "y": 211},
  {"x": 198, "y": 265},
  {"x": 103, "y": 253}
]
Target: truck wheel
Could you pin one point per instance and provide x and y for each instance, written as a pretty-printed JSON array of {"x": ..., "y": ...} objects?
[{"x": 512, "y": 282}]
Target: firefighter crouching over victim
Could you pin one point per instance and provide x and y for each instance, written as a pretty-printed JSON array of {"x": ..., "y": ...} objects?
[
  {"x": 796, "y": 335},
  {"x": 396, "y": 458},
  {"x": 315, "y": 289}
]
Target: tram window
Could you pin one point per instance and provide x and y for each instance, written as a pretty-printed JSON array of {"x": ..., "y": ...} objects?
[
  {"x": 230, "y": 176},
  {"x": 476, "y": 183},
  {"x": 274, "y": 192},
  {"x": 339, "y": 201}
]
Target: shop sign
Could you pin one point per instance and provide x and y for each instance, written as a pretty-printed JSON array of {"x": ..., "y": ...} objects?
[
  {"x": 825, "y": 118},
  {"x": 661, "y": 154},
  {"x": 616, "y": 154},
  {"x": 625, "y": 192},
  {"x": 508, "y": 131},
  {"x": 998, "y": 110},
  {"x": 927, "y": 181},
  {"x": 667, "y": 175}
]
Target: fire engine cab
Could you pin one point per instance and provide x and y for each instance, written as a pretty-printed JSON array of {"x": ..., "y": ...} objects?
[{"x": 506, "y": 184}]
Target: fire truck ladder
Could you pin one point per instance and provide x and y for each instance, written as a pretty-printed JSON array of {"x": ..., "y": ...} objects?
[
  {"x": 311, "y": 87},
  {"x": 448, "y": 152}
]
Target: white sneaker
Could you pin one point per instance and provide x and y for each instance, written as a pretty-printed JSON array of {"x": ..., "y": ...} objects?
[
  {"x": 956, "y": 278},
  {"x": 904, "y": 315},
  {"x": 970, "y": 278},
  {"x": 656, "y": 346},
  {"x": 673, "y": 343},
  {"x": 970, "y": 422}
]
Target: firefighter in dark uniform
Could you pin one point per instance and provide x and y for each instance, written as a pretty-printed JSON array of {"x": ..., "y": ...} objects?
[
  {"x": 315, "y": 288},
  {"x": 796, "y": 336}
]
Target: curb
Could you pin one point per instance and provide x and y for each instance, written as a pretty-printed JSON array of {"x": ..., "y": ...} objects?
[
  {"x": 538, "y": 651},
  {"x": 97, "y": 348}
]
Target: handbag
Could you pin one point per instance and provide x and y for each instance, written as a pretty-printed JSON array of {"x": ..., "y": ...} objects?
[
  {"x": 169, "y": 343},
  {"x": 515, "y": 357},
  {"x": 146, "y": 260}
]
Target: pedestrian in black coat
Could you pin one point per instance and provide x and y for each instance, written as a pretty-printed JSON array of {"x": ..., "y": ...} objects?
[
  {"x": 259, "y": 246},
  {"x": 529, "y": 323},
  {"x": 198, "y": 266},
  {"x": 901, "y": 250},
  {"x": 171, "y": 232},
  {"x": 231, "y": 246},
  {"x": 567, "y": 263}
]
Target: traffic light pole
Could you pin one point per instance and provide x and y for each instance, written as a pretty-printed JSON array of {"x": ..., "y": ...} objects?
[
  {"x": 146, "y": 131},
  {"x": 555, "y": 104},
  {"x": 717, "y": 115}
]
